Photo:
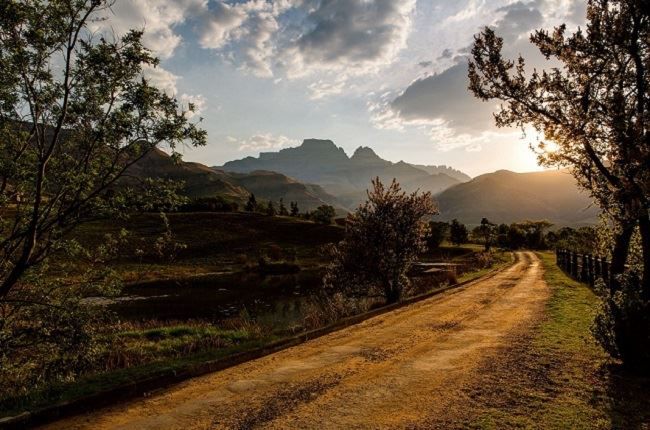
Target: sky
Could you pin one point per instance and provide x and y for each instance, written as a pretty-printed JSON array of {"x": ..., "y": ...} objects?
[{"x": 389, "y": 74}]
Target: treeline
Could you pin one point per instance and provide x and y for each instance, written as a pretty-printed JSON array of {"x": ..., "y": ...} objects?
[
  {"x": 324, "y": 214},
  {"x": 518, "y": 235}
]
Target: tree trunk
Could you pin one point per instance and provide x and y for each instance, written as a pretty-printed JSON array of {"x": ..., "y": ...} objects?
[
  {"x": 619, "y": 255},
  {"x": 644, "y": 228}
]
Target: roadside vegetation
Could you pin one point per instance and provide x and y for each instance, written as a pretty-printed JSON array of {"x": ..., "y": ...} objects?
[
  {"x": 555, "y": 375},
  {"x": 219, "y": 247},
  {"x": 594, "y": 111}
]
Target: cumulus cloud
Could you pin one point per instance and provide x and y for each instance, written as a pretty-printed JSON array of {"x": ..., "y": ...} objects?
[
  {"x": 262, "y": 142},
  {"x": 162, "y": 79},
  {"x": 353, "y": 36},
  {"x": 218, "y": 25},
  {"x": 327, "y": 40},
  {"x": 158, "y": 18},
  {"x": 442, "y": 103},
  {"x": 166, "y": 81},
  {"x": 346, "y": 37}
]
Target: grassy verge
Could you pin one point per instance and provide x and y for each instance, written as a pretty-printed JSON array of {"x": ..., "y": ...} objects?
[{"x": 557, "y": 377}]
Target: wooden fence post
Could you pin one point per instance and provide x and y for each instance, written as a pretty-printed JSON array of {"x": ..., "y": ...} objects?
[{"x": 574, "y": 265}]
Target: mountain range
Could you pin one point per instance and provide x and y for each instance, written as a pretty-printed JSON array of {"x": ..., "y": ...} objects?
[
  {"x": 201, "y": 181},
  {"x": 347, "y": 178},
  {"x": 317, "y": 173}
]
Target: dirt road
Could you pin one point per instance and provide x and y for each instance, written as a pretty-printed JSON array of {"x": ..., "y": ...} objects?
[{"x": 392, "y": 371}]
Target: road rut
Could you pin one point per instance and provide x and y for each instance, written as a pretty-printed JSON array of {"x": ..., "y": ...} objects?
[{"x": 391, "y": 371}]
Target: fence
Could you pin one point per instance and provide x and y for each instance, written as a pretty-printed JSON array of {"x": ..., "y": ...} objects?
[{"x": 583, "y": 267}]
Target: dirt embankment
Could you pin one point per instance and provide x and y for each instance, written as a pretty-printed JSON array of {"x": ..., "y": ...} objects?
[{"x": 396, "y": 370}]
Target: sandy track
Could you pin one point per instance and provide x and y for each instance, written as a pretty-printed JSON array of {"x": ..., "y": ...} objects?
[{"x": 391, "y": 371}]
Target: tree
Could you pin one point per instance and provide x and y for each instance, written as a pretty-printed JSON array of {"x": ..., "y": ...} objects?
[
  {"x": 458, "y": 233},
  {"x": 68, "y": 133},
  {"x": 270, "y": 209},
  {"x": 283, "y": 209},
  {"x": 516, "y": 236},
  {"x": 596, "y": 111},
  {"x": 251, "y": 204},
  {"x": 76, "y": 112},
  {"x": 502, "y": 236},
  {"x": 382, "y": 239},
  {"x": 324, "y": 214},
  {"x": 486, "y": 232},
  {"x": 294, "y": 209},
  {"x": 535, "y": 233},
  {"x": 437, "y": 234}
]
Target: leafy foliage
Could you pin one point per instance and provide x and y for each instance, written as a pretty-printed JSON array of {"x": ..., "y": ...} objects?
[
  {"x": 251, "y": 204},
  {"x": 383, "y": 237},
  {"x": 69, "y": 133},
  {"x": 51, "y": 330},
  {"x": 622, "y": 325},
  {"x": 270, "y": 209},
  {"x": 76, "y": 112},
  {"x": 438, "y": 232},
  {"x": 324, "y": 214},
  {"x": 596, "y": 110},
  {"x": 294, "y": 209},
  {"x": 458, "y": 233}
]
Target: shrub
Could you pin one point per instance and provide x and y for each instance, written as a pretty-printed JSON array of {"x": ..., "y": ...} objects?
[
  {"x": 382, "y": 239},
  {"x": 324, "y": 214},
  {"x": 437, "y": 234},
  {"x": 622, "y": 324}
]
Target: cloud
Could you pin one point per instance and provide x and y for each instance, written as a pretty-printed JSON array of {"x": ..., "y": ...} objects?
[
  {"x": 442, "y": 103},
  {"x": 198, "y": 101},
  {"x": 166, "y": 81},
  {"x": 158, "y": 18},
  {"x": 162, "y": 79},
  {"x": 324, "y": 40},
  {"x": 350, "y": 36},
  {"x": 341, "y": 38},
  {"x": 261, "y": 142},
  {"x": 218, "y": 24},
  {"x": 325, "y": 88}
]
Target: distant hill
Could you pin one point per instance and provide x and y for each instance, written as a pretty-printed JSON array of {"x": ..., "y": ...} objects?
[
  {"x": 505, "y": 197},
  {"x": 200, "y": 180},
  {"x": 323, "y": 163},
  {"x": 204, "y": 181},
  {"x": 449, "y": 171}
]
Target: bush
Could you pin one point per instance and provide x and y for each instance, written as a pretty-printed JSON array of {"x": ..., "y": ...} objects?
[
  {"x": 438, "y": 232},
  {"x": 324, "y": 214},
  {"x": 382, "y": 239},
  {"x": 622, "y": 324}
]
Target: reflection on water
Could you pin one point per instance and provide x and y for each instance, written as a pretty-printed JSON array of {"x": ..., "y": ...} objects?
[
  {"x": 219, "y": 298},
  {"x": 267, "y": 299}
]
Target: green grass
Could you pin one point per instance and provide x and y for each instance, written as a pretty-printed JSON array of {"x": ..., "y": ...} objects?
[
  {"x": 96, "y": 383},
  {"x": 558, "y": 377},
  {"x": 501, "y": 259}
]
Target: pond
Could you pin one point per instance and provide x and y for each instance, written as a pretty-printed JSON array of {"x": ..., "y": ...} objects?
[
  {"x": 270, "y": 298},
  {"x": 220, "y": 297}
]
